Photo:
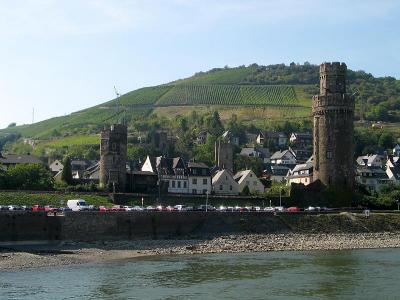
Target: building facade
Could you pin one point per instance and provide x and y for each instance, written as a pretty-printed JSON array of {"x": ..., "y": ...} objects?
[{"x": 333, "y": 114}]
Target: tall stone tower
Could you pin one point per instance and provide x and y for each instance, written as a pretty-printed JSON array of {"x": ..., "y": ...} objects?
[
  {"x": 333, "y": 112},
  {"x": 113, "y": 157},
  {"x": 224, "y": 154}
]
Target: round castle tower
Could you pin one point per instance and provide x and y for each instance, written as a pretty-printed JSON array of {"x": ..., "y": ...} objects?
[
  {"x": 113, "y": 157},
  {"x": 333, "y": 113}
]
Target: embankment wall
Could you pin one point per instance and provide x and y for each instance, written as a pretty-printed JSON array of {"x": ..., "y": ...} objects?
[{"x": 90, "y": 226}]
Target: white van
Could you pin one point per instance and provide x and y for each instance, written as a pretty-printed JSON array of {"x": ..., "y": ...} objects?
[{"x": 77, "y": 205}]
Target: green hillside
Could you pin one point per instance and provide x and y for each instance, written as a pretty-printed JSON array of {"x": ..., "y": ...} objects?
[{"x": 280, "y": 91}]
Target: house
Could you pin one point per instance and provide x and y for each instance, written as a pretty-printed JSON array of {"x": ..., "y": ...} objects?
[
  {"x": 256, "y": 152},
  {"x": 396, "y": 150},
  {"x": 370, "y": 160},
  {"x": 11, "y": 160},
  {"x": 56, "y": 166},
  {"x": 393, "y": 169},
  {"x": 302, "y": 154},
  {"x": 229, "y": 137},
  {"x": 301, "y": 173},
  {"x": 171, "y": 171},
  {"x": 276, "y": 173},
  {"x": 285, "y": 157},
  {"x": 301, "y": 140},
  {"x": 277, "y": 139},
  {"x": 223, "y": 183},
  {"x": 202, "y": 137},
  {"x": 373, "y": 178},
  {"x": 200, "y": 181},
  {"x": 249, "y": 179}
]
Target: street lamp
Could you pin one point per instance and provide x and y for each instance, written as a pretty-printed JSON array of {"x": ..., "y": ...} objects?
[{"x": 207, "y": 201}]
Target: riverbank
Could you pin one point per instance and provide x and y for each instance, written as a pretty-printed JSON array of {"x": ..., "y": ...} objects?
[{"x": 69, "y": 253}]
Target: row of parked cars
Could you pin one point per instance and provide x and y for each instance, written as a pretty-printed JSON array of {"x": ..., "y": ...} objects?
[{"x": 81, "y": 205}]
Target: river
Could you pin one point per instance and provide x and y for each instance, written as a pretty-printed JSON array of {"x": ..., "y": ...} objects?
[{"x": 350, "y": 274}]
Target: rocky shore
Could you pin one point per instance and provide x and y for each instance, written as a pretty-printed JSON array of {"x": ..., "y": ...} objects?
[{"x": 101, "y": 252}]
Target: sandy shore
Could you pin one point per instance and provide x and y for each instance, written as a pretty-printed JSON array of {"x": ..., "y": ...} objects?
[{"x": 79, "y": 253}]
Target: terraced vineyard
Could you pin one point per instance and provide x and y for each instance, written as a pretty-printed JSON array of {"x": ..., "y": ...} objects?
[
  {"x": 143, "y": 96},
  {"x": 254, "y": 95}
]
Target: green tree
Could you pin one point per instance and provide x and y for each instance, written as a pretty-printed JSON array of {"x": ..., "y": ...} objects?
[
  {"x": 386, "y": 140},
  {"x": 255, "y": 164},
  {"x": 29, "y": 177},
  {"x": 66, "y": 174}
]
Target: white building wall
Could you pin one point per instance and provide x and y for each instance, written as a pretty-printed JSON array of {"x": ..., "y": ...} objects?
[{"x": 199, "y": 184}]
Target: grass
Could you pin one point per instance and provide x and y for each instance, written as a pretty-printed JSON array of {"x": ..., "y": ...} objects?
[
  {"x": 75, "y": 140},
  {"x": 29, "y": 198}
]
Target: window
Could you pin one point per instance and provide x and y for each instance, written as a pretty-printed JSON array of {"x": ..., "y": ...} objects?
[
  {"x": 173, "y": 183},
  {"x": 204, "y": 191},
  {"x": 194, "y": 180},
  {"x": 220, "y": 187},
  {"x": 329, "y": 154},
  {"x": 194, "y": 191},
  {"x": 204, "y": 172},
  {"x": 230, "y": 187},
  {"x": 194, "y": 171},
  {"x": 205, "y": 181},
  {"x": 184, "y": 184},
  {"x": 179, "y": 184}
]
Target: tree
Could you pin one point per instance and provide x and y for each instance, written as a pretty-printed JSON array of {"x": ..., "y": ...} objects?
[
  {"x": 255, "y": 164},
  {"x": 214, "y": 124},
  {"x": 245, "y": 191},
  {"x": 66, "y": 174},
  {"x": 13, "y": 124},
  {"x": 29, "y": 177},
  {"x": 386, "y": 140}
]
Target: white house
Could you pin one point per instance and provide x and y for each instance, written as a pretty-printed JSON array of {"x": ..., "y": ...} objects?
[
  {"x": 302, "y": 173},
  {"x": 393, "y": 169},
  {"x": 370, "y": 160},
  {"x": 278, "y": 139},
  {"x": 248, "y": 178},
  {"x": 56, "y": 166},
  {"x": 285, "y": 157},
  {"x": 171, "y": 171},
  {"x": 223, "y": 183},
  {"x": 373, "y": 178},
  {"x": 199, "y": 178}
]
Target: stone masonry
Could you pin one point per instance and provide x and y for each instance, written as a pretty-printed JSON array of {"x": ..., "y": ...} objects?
[
  {"x": 113, "y": 157},
  {"x": 333, "y": 113}
]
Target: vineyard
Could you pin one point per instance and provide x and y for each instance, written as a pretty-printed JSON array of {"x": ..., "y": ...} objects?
[{"x": 254, "y": 95}]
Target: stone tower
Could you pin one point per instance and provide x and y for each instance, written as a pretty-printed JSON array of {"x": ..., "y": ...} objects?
[
  {"x": 113, "y": 157},
  {"x": 333, "y": 112},
  {"x": 224, "y": 154}
]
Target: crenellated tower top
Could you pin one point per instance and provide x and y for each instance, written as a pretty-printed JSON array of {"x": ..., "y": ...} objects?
[{"x": 332, "y": 78}]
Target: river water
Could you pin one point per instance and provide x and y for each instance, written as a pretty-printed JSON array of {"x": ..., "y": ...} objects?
[{"x": 355, "y": 274}]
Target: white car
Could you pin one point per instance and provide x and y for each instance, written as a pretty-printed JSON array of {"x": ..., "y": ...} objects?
[
  {"x": 269, "y": 209},
  {"x": 77, "y": 205},
  {"x": 180, "y": 207},
  {"x": 137, "y": 208},
  {"x": 279, "y": 208}
]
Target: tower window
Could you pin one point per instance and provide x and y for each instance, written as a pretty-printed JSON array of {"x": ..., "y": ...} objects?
[{"x": 329, "y": 154}]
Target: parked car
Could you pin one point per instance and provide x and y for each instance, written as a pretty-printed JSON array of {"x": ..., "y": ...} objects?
[
  {"x": 137, "y": 208},
  {"x": 65, "y": 209},
  {"x": 180, "y": 207},
  {"x": 206, "y": 207},
  {"x": 221, "y": 208},
  {"x": 103, "y": 209},
  {"x": 118, "y": 208},
  {"x": 38, "y": 207},
  {"x": 49, "y": 208},
  {"x": 3, "y": 207},
  {"x": 293, "y": 209},
  {"x": 256, "y": 208},
  {"x": 77, "y": 204},
  {"x": 279, "y": 208},
  {"x": 150, "y": 208},
  {"x": 14, "y": 207},
  {"x": 26, "y": 207},
  {"x": 269, "y": 209}
]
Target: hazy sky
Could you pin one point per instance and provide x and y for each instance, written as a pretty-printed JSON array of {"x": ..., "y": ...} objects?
[{"x": 62, "y": 56}]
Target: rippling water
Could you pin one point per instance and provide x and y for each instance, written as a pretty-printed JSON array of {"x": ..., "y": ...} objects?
[{"x": 356, "y": 274}]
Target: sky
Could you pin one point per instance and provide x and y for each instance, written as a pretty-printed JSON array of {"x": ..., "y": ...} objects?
[{"x": 61, "y": 56}]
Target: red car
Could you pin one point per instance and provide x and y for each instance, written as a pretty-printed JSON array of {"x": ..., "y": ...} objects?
[
  {"x": 293, "y": 209},
  {"x": 103, "y": 209},
  {"x": 38, "y": 208},
  {"x": 50, "y": 208}
]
